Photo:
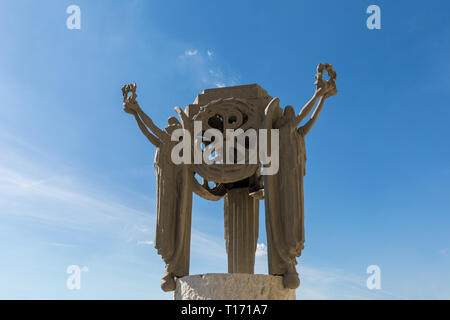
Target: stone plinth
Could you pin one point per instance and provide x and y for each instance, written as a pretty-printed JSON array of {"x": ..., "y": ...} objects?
[{"x": 232, "y": 286}]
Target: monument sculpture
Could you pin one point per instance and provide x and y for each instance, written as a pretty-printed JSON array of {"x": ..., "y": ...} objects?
[{"x": 242, "y": 185}]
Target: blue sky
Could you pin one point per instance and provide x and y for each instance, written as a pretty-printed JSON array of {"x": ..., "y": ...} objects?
[{"x": 76, "y": 175}]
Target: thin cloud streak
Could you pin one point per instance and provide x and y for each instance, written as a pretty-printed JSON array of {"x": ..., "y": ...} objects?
[
  {"x": 261, "y": 250},
  {"x": 325, "y": 284},
  {"x": 29, "y": 189},
  {"x": 191, "y": 52}
]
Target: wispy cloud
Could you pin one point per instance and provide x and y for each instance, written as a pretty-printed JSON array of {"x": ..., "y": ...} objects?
[
  {"x": 261, "y": 250},
  {"x": 207, "y": 69},
  {"x": 63, "y": 245},
  {"x": 321, "y": 283},
  {"x": 145, "y": 242},
  {"x": 191, "y": 52},
  {"x": 81, "y": 209},
  {"x": 208, "y": 246},
  {"x": 31, "y": 189}
]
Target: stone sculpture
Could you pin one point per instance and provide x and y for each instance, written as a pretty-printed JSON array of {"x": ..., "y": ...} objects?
[{"x": 241, "y": 185}]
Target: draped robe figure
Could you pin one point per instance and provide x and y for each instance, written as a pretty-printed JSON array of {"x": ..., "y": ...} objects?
[
  {"x": 174, "y": 209},
  {"x": 174, "y": 196},
  {"x": 174, "y": 186},
  {"x": 283, "y": 192}
]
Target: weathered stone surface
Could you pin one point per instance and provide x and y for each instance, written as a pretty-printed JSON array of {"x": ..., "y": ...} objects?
[
  {"x": 241, "y": 216},
  {"x": 232, "y": 286},
  {"x": 243, "y": 110},
  {"x": 252, "y": 93}
]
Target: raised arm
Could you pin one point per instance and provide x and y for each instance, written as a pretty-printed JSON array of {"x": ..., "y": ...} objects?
[
  {"x": 144, "y": 121},
  {"x": 306, "y": 109},
  {"x": 324, "y": 90},
  {"x": 308, "y": 125},
  {"x": 153, "y": 139},
  {"x": 161, "y": 134}
]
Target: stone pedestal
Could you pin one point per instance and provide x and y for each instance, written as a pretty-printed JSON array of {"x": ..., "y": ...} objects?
[{"x": 232, "y": 286}]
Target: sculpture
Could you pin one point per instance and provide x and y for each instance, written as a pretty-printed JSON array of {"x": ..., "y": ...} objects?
[{"x": 241, "y": 185}]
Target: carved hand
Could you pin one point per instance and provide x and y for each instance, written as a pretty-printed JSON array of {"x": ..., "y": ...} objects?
[
  {"x": 323, "y": 87},
  {"x": 130, "y": 105},
  {"x": 332, "y": 91},
  {"x": 320, "y": 91},
  {"x": 129, "y": 110}
]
